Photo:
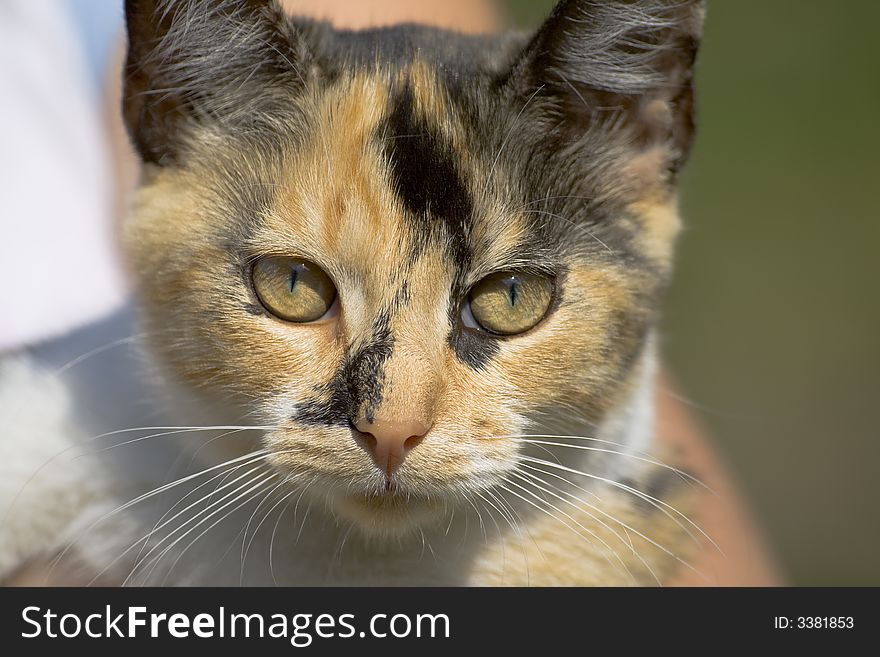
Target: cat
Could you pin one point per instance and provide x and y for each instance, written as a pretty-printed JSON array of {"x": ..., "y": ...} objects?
[{"x": 397, "y": 293}]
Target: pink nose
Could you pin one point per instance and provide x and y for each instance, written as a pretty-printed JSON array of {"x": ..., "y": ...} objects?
[{"x": 388, "y": 441}]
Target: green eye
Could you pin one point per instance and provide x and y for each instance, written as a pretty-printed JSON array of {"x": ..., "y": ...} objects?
[
  {"x": 292, "y": 289},
  {"x": 508, "y": 303}
]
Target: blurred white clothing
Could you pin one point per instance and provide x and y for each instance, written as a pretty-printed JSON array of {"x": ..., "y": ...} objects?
[{"x": 58, "y": 262}]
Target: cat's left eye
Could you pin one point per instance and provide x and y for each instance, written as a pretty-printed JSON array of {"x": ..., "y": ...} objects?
[
  {"x": 293, "y": 289},
  {"x": 508, "y": 303}
]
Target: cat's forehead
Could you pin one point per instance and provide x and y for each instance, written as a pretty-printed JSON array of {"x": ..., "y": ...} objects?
[{"x": 384, "y": 183}]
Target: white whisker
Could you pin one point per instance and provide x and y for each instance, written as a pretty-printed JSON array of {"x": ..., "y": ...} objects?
[
  {"x": 203, "y": 517},
  {"x": 660, "y": 505},
  {"x": 246, "y": 548},
  {"x": 174, "y": 431},
  {"x": 197, "y": 518},
  {"x": 145, "y": 540},
  {"x": 261, "y": 491},
  {"x": 550, "y": 514},
  {"x": 537, "y": 483},
  {"x": 255, "y": 456},
  {"x": 531, "y": 440},
  {"x": 626, "y": 528},
  {"x": 99, "y": 350}
]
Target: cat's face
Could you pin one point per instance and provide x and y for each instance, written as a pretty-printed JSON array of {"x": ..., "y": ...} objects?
[{"x": 403, "y": 249}]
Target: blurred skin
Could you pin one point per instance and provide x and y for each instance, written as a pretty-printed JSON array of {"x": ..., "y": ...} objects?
[
  {"x": 471, "y": 16},
  {"x": 745, "y": 560},
  {"x": 723, "y": 516}
]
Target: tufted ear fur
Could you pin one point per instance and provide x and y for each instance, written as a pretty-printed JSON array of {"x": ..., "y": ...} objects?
[
  {"x": 194, "y": 62},
  {"x": 623, "y": 64}
]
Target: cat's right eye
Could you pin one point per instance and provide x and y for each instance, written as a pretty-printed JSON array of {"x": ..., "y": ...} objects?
[{"x": 292, "y": 289}]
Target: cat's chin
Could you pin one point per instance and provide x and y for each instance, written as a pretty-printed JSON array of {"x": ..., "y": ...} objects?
[{"x": 387, "y": 516}]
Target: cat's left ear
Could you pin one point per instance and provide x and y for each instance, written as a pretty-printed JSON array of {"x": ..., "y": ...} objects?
[
  {"x": 194, "y": 62},
  {"x": 626, "y": 65}
]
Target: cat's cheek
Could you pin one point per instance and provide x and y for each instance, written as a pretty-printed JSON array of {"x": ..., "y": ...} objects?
[{"x": 585, "y": 351}]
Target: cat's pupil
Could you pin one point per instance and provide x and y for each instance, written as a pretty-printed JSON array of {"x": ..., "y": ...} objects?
[
  {"x": 294, "y": 275},
  {"x": 512, "y": 291}
]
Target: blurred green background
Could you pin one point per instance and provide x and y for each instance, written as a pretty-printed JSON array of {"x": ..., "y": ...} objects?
[{"x": 773, "y": 324}]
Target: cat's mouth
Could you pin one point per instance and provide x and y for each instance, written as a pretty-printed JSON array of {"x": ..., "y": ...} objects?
[{"x": 380, "y": 503}]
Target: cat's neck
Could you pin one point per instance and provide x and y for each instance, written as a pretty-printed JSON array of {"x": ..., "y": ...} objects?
[{"x": 631, "y": 425}]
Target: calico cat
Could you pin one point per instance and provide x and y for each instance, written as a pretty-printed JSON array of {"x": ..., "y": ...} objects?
[{"x": 397, "y": 296}]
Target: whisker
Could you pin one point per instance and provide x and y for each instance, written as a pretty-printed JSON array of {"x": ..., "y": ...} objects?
[
  {"x": 544, "y": 200},
  {"x": 257, "y": 455},
  {"x": 260, "y": 490},
  {"x": 99, "y": 350},
  {"x": 176, "y": 430},
  {"x": 298, "y": 533},
  {"x": 512, "y": 512},
  {"x": 212, "y": 440},
  {"x": 502, "y": 542},
  {"x": 225, "y": 474},
  {"x": 144, "y": 541},
  {"x": 573, "y": 223},
  {"x": 236, "y": 496},
  {"x": 660, "y": 464},
  {"x": 473, "y": 504},
  {"x": 245, "y": 549},
  {"x": 536, "y": 482},
  {"x": 79, "y": 445},
  {"x": 197, "y": 502},
  {"x": 451, "y": 519},
  {"x": 337, "y": 552},
  {"x": 626, "y": 528},
  {"x": 272, "y": 540},
  {"x": 660, "y": 505},
  {"x": 196, "y": 518},
  {"x": 549, "y": 514}
]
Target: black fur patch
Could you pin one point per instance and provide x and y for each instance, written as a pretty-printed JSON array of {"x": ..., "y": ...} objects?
[
  {"x": 356, "y": 389},
  {"x": 472, "y": 349},
  {"x": 426, "y": 179}
]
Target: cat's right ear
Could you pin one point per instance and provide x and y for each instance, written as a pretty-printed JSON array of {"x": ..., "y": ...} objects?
[{"x": 192, "y": 62}]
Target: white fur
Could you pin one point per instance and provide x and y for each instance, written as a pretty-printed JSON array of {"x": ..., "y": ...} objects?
[{"x": 38, "y": 499}]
